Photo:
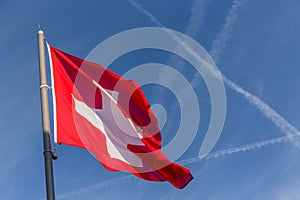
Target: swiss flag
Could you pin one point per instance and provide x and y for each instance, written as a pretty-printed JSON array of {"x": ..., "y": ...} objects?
[{"x": 102, "y": 112}]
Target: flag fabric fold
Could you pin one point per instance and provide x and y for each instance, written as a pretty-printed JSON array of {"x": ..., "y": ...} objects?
[{"x": 109, "y": 116}]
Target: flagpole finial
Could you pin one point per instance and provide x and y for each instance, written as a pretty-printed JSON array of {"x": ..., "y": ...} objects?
[{"x": 40, "y": 30}]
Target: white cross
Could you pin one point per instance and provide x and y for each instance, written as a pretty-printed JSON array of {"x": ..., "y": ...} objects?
[{"x": 118, "y": 130}]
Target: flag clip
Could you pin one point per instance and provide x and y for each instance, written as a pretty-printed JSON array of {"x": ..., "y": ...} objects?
[
  {"x": 54, "y": 155},
  {"x": 45, "y": 85}
]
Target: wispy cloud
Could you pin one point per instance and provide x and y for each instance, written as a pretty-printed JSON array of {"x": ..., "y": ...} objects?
[{"x": 218, "y": 47}]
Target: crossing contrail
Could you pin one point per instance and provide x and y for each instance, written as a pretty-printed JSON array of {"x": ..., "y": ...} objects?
[
  {"x": 265, "y": 109},
  {"x": 218, "y": 46}
]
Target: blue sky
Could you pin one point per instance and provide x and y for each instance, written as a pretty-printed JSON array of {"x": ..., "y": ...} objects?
[{"x": 255, "y": 45}]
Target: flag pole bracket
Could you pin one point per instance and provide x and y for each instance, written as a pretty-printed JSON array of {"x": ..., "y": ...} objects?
[
  {"x": 54, "y": 155},
  {"x": 46, "y": 86}
]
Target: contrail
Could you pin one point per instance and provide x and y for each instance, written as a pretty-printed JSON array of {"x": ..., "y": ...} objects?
[
  {"x": 220, "y": 43},
  {"x": 198, "y": 11},
  {"x": 265, "y": 109},
  {"x": 145, "y": 12},
  {"x": 218, "y": 46},
  {"x": 239, "y": 149},
  {"x": 214, "y": 155},
  {"x": 90, "y": 188}
]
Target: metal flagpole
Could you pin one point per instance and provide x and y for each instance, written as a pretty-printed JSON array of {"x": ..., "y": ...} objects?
[{"x": 48, "y": 155}]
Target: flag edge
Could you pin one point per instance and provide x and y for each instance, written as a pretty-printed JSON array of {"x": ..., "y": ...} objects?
[{"x": 53, "y": 94}]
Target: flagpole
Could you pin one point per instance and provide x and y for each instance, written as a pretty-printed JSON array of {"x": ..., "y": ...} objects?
[{"x": 48, "y": 155}]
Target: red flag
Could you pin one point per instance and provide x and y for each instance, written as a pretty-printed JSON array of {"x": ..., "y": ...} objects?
[{"x": 102, "y": 112}]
